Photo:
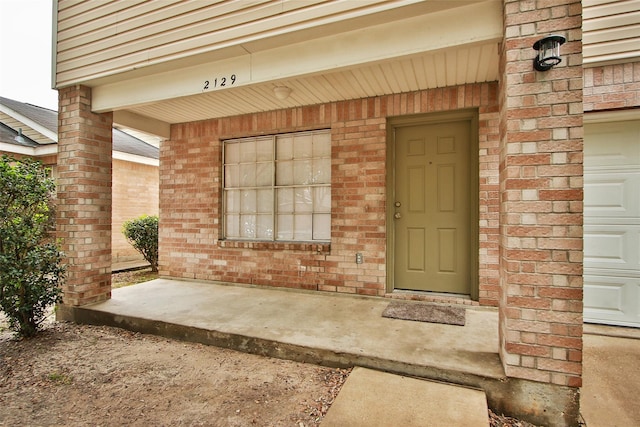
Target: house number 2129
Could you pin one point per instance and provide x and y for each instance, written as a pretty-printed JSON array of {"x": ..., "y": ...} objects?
[{"x": 219, "y": 82}]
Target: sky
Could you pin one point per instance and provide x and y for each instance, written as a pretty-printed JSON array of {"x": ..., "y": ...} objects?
[{"x": 25, "y": 52}]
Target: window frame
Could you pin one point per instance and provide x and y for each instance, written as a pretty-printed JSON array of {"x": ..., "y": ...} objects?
[{"x": 274, "y": 188}]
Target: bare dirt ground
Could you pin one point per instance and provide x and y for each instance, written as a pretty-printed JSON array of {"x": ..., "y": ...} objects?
[
  {"x": 75, "y": 375},
  {"x": 79, "y": 375}
]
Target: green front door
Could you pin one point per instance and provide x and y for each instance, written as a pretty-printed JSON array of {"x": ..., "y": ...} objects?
[{"x": 432, "y": 207}]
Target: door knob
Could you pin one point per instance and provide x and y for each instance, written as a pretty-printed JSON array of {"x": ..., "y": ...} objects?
[{"x": 397, "y": 215}]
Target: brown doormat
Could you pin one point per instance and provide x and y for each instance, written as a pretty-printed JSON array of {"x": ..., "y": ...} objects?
[{"x": 432, "y": 313}]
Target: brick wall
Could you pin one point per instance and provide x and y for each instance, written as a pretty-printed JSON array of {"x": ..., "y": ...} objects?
[
  {"x": 84, "y": 196},
  {"x": 190, "y": 206},
  {"x": 541, "y": 205},
  {"x": 135, "y": 193},
  {"x": 612, "y": 87}
]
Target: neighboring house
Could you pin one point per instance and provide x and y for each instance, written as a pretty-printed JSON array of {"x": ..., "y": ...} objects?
[
  {"x": 31, "y": 131},
  {"x": 398, "y": 149}
]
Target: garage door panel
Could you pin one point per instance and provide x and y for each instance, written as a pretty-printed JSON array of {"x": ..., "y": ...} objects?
[
  {"x": 613, "y": 247},
  {"x": 612, "y": 194},
  {"x": 612, "y": 144},
  {"x": 612, "y": 300},
  {"x": 612, "y": 223}
]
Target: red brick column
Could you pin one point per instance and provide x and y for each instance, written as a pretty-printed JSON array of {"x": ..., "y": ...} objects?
[
  {"x": 541, "y": 198},
  {"x": 84, "y": 196}
]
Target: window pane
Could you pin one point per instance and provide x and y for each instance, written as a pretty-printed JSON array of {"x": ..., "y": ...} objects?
[
  {"x": 322, "y": 171},
  {"x": 248, "y": 203},
  {"x": 322, "y": 199},
  {"x": 302, "y": 172},
  {"x": 231, "y": 176},
  {"x": 264, "y": 174},
  {"x": 265, "y": 227},
  {"x": 232, "y": 202},
  {"x": 232, "y": 223},
  {"x": 303, "y": 227},
  {"x": 248, "y": 226},
  {"x": 284, "y": 173},
  {"x": 303, "y": 146},
  {"x": 231, "y": 153},
  {"x": 248, "y": 151},
  {"x": 265, "y": 201},
  {"x": 285, "y": 227},
  {"x": 304, "y": 200},
  {"x": 248, "y": 175},
  {"x": 322, "y": 144},
  {"x": 264, "y": 149},
  {"x": 284, "y": 147},
  {"x": 285, "y": 200},
  {"x": 322, "y": 227}
]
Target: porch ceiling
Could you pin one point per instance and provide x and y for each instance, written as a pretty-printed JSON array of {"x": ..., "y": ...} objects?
[
  {"x": 437, "y": 47},
  {"x": 449, "y": 67}
]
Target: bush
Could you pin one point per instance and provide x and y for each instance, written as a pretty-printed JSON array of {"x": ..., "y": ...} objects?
[
  {"x": 142, "y": 233},
  {"x": 31, "y": 269}
]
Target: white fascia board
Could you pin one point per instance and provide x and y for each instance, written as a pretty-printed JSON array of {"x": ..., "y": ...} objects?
[
  {"x": 142, "y": 123},
  {"x": 54, "y": 42},
  {"x": 29, "y": 151},
  {"x": 426, "y": 33},
  {"x": 29, "y": 123},
  {"x": 134, "y": 158}
]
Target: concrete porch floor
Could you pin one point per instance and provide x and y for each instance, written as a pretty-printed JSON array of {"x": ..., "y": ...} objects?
[
  {"x": 325, "y": 329},
  {"x": 329, "y": 329}
]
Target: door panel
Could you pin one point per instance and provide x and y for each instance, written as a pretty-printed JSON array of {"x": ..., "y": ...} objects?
[{"x": 432, "y": 208}]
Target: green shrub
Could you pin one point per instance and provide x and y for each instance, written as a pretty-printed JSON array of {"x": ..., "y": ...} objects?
[
  {"x": 31, "y": 269},
  {"x": 142, "y": 233}
]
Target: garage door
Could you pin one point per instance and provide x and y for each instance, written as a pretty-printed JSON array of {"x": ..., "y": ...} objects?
[{"x": 612, "y": 223}]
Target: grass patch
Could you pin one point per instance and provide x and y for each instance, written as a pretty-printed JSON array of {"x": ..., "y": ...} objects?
[
  {"x": 128, "y": 278},
  {"x": 60, "y": 378}
]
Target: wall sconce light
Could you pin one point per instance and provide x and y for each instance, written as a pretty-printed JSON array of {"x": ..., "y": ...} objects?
[
  {"x": 548, "y": 52},
  {"x": 282, "y": 92}
]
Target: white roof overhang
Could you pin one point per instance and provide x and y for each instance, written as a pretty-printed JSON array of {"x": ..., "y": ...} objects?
[{"x": 452, "y": 46}]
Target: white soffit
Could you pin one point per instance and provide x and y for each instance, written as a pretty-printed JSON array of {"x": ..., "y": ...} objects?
[
  {"x": 30, "y": 129},
  {"x": 441, "y": 49}
]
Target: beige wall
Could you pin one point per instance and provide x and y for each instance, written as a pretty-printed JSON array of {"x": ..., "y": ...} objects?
[{"x": 135, "y": 193}]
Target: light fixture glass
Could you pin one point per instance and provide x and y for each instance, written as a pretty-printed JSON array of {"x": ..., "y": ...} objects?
[
  {"x": 282, "y": 92},
  {"x": 548, "y": 52}
]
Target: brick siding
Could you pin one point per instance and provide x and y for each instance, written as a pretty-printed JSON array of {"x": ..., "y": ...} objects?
[
  {"x": 84, "y": 196},
  {"x": 541, "y": 197},
  {"x": 190, "y": 205},
  {"x": 612, "y": 87}
]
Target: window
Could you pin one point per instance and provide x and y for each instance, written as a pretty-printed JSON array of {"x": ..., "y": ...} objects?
[{"x": 278, "y": 188}]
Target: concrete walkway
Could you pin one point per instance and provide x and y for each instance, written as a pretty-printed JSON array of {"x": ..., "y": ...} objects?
[{"x": 611, "y": 377}]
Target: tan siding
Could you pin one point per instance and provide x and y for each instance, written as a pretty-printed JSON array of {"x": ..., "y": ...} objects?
[
  {"x": 611, "y": 30},
  {"x": 135, "y": 193},
  {"x": 97, "y": 38}
]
